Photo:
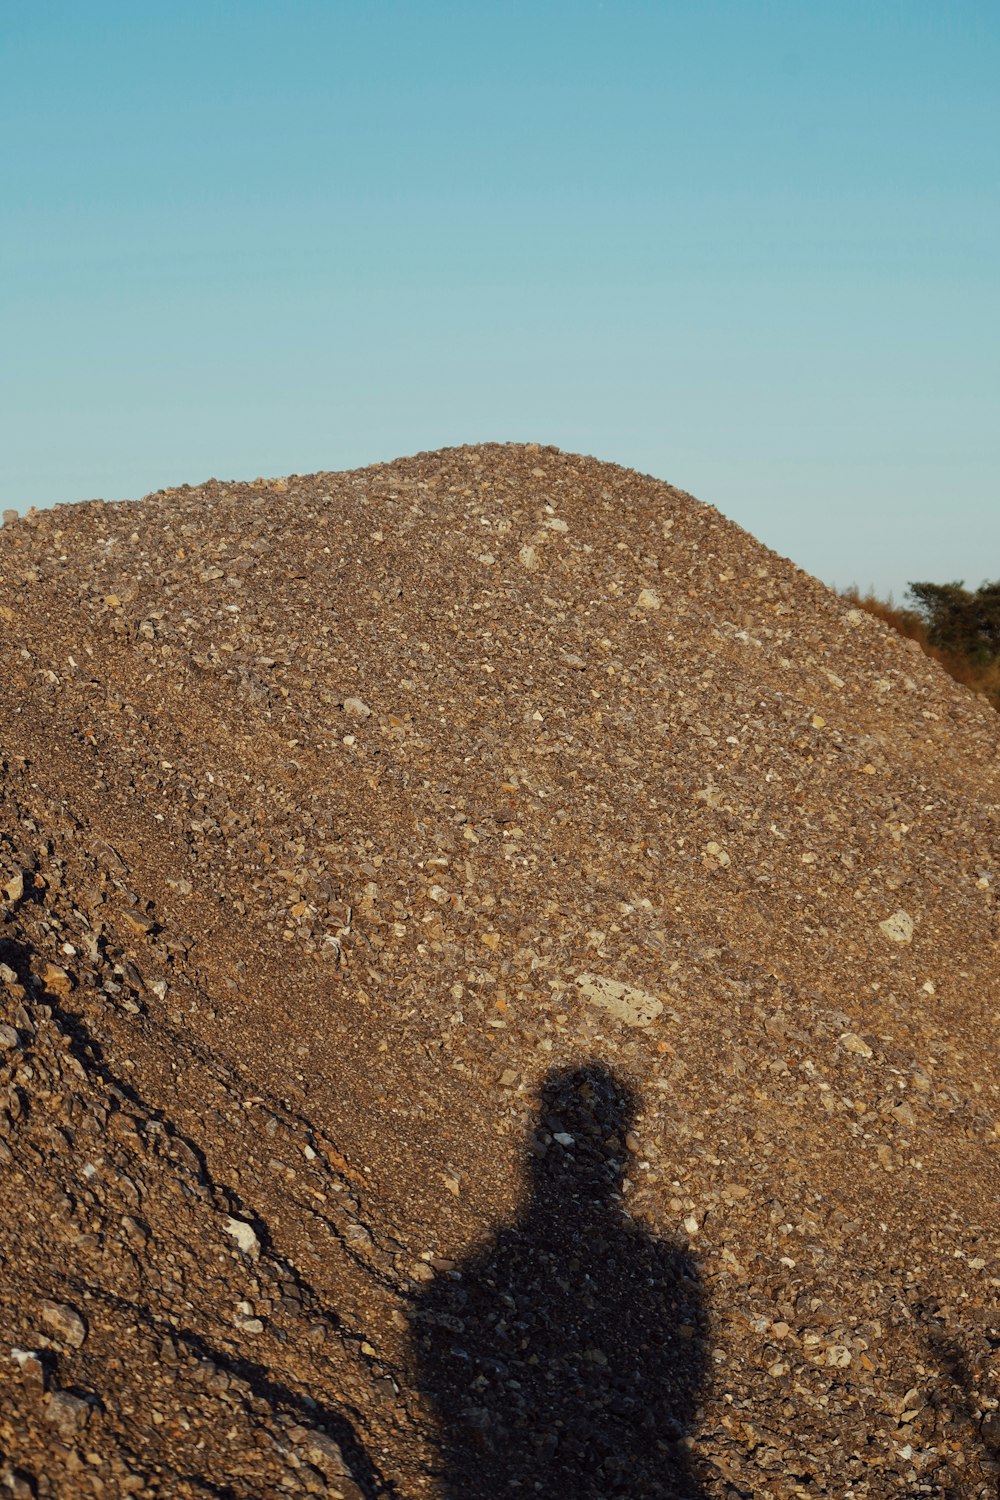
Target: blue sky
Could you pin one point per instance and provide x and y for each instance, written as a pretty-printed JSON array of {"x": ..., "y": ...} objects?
[{"x": 751, "y": 248}]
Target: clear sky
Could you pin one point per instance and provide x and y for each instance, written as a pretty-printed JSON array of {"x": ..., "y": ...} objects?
[{"x": 748, "y": 247}]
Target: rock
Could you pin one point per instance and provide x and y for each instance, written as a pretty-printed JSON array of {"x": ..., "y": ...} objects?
[
  {"x": 851, "y": 1042},
  {"x": 716, "y": 856},
  {"x": 357, "y": 708},
  {"x": 30, "y": 1364},
  {"x": 56, "y": 980},
  {"x": 14, "y": 887},
  {"x": 9, "y": 1039},
  {"x": 67, "y": 1413},
  {"x": 625, "y": 1002},
  {"x": 344, "y": 1488},
  {"x": 65, "y": 1322},
  {"x": 648, "y": 599},
  {"x": 244, "y": 1235},
  {"x": 898, "y": 927},
  {"x": 357, "y": 1236},
  {"x": 135, "y": 1231},
  {"x": 21, "y": 1485},
  {"x": 139, "y": 922},
  {"x": 321, "y": 1449}
]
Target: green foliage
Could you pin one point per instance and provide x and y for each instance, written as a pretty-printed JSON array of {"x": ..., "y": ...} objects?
[{"x": 962, "y": 623}]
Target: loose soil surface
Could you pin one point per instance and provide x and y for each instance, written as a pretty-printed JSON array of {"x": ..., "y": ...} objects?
[{"x": 498, "y": 998}]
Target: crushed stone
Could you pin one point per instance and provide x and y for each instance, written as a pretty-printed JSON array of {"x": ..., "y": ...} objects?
[{"x": 498, "y": 980}]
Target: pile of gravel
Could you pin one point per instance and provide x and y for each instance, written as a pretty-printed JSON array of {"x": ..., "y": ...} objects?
[{"x": 497, "y": 998}]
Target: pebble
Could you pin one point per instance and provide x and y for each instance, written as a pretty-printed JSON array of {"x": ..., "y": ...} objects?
[
  {"x": 56, "y": 980},
  {"x": 67, "y": 1413},
  {"x": 244, "y": 1235},
  {"x": 65, "y": 1322}
]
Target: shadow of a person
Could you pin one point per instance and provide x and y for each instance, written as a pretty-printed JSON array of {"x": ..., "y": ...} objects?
[{"x": 566, "y": 1356}]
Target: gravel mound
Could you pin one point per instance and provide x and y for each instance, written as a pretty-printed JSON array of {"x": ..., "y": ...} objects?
[{"x": 498, "y": 998}]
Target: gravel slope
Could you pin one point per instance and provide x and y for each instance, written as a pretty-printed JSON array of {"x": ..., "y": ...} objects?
[{"x": 498, "y": 996}]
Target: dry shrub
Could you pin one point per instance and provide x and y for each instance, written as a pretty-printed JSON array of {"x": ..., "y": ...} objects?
[{"x": 981, "y": 678}]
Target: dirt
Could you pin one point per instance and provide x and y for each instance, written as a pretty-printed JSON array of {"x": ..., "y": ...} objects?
[{"x": 498, "y": 999}]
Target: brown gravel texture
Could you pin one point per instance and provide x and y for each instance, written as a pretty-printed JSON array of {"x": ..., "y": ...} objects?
[{"x": 498, "y": 998}]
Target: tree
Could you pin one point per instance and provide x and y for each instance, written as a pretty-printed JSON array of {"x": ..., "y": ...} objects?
[{"x": 962, "y": 623}]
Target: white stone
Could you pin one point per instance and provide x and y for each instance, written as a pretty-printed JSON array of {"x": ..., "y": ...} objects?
[
  {"x": 898, "y": 927},
  {"x": 623, "y": 1001},
  {"x": 244, "y": 1236}
]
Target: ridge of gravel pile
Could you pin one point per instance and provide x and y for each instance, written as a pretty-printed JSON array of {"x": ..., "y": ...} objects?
[{"x": 498, "y": 997}]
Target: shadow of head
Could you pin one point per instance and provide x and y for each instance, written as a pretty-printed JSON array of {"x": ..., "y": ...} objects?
[
  {"x": 566, "y": 1354},
  {"x": 585, "y": 1116}
]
